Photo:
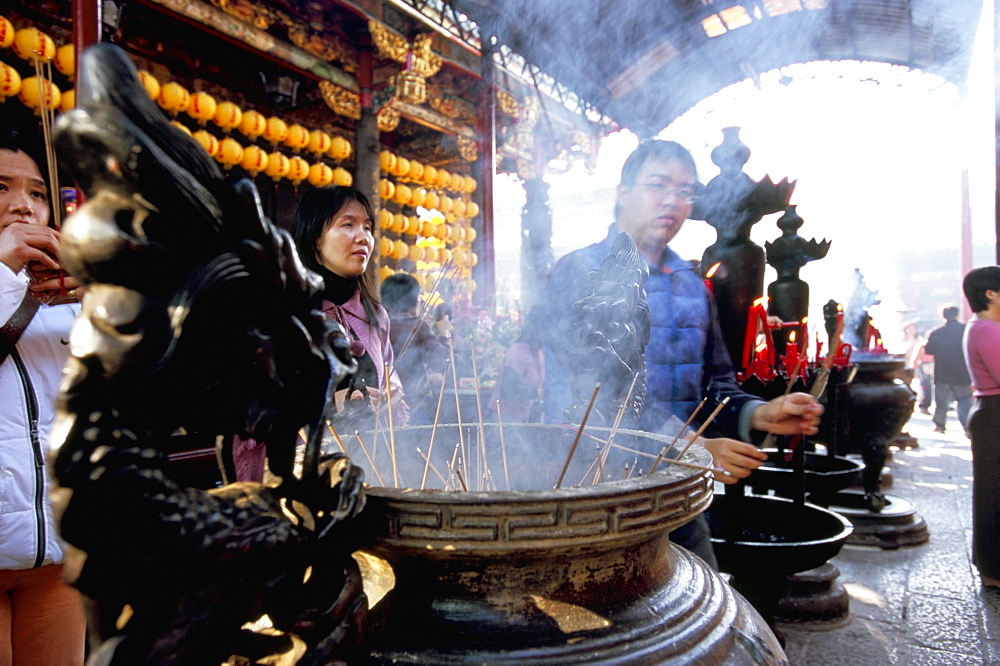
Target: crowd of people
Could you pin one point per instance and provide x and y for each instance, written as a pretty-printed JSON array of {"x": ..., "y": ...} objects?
[{"x": 402, "y": 358}]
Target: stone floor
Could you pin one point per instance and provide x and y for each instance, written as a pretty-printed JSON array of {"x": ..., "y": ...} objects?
[{"x": 918, "y": 604}]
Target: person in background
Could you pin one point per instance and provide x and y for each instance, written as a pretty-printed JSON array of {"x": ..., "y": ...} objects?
[
  {"x": 920, "y": 363},
  {"x": 952, "y": 384},
  {"x": 981, "y": 346},
  {"x": 332, "y": 230},
  {"x": 41, "y": 618},
  {"x": 420, "y": 355},
  {"x": 522, "y": 373},
  {"x": 686, "y": 357}
]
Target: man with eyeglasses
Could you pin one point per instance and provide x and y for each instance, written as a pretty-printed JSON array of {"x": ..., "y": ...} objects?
[{"x": 685, "y": 358}]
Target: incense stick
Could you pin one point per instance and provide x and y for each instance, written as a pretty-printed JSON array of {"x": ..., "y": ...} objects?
[
  {"x": 428, "y": 463},
  {"x": 503, "y": 447},
  {"x": 336, "y": 437},
  {"x": 458, "y": 409},
  {"x": 437, "y": 414},
  {"x": 704, "y": 425},
  {"x": 43, "y": 80},
  {"x": 392, "y": 430},
  {"x": 576, "y": 440},
  {"x": 680, "y": 432},
  {"x": 479, "y": 410},
  {"x": 370, "y": 461}
]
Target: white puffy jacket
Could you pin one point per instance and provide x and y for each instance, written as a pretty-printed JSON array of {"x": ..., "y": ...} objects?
[{"x": 29, "y": 383}]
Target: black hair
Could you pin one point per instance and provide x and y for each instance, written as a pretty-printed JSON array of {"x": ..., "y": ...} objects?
[
  {"x": 400, "y": 293},
  {"x": 654, "y": 150},
  {"x": 949, "y": 312},
  {"x": 977, "y": 282},
  {"x": 19, "y": 142},
  {"x": 313, "y": 214}
]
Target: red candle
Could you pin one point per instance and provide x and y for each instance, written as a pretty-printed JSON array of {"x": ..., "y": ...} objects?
[{"x": 791, "y": 356}]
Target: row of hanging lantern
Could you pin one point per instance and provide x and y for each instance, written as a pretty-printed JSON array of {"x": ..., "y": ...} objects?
[
  {"x": 440, "y": 226},
  {"x": 33, "y": 45}
]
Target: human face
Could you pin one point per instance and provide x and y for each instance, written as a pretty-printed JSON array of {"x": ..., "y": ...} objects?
[
  {"x": 653, "y": 209},
  {"x": 347, "y": 241},
  {"x": 24, "y": 197}
]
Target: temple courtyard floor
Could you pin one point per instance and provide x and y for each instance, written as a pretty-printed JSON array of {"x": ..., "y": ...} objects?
[{"x": 914, "y": 604}]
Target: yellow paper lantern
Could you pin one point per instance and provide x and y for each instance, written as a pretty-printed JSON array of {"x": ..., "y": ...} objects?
[
  {"x": 455, "y": 182},
  {"x": 342, "y": 177},
  {"x": 320, "y": 175},
  {"x": 181, "y": 126},
  {"x": 207, "y": 141},
  {"x": 430, "y": 175},
  {"x": 399, "y": 249},
  {"x": 452, "y": 233},
  {"x": 33, "y": 44},
  {"x": 254, "y": 159},
  {"x": 412, "y": 225},
  {"x": 298, "y": 169},
  {"x": 471, "y": 209},
  {"x": 150, "y": 83},
  {"x": 473, "y": 259},
  {"x": 384, "y": 246},
  {"x": 385, "y": 272},
  {"x": 277, "y": 165},
  {"x": 415, "y": 253},
  {"x": 318, "y": 143},
  {"x": 427, "y": 228},
  {"x": 384, "y": 219},
  {"x": 444, "y": 205},
  {"x": 68, "y": 100},
  {"x": 458, "y": 207},
  {"x": 36, "y": 91},
  {"x": 441, "y": 231},
  {"x": 386, "y": 188},
  {"x": 230, "y": 152},
  {"x": 386, "y": 161},
  {"x": 227, "y": 116},
  {"x": 65, "y": 59},
  {"x": 418, "y": 197},
  {"x": 202, "y": 107},
  {"x": 253, "y": 124},
  {"x": 458, "y": 257},
  {"x": 468, "y": 184},
  {"x": 297, "y": 137},
  {"x": 10, "y": 81},
  {"x": 401, "y": 195},
  {"x": 173, "y": 97},
  {"x": 431, "y": 200},
  {"x": 6, "y": 32},
  {"x": 470, "y": 235},
  {"x": 402, "y": 166},
  {"x": 340, "y": 148},
  {"x": 443, "y": 178},
  {"x": 398, "y": 223},
  {"x": 416, "y": 170},
  {"x": 444, "y": 255},
  {"x": 430, "y": 254},
  {"x": 275, "y": 130}
]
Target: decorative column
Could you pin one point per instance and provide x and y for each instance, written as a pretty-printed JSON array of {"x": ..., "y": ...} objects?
[
  {"x": 485, "y": 271},
  {"x": 536, "y": 240},
  {"x": 732, "y": 202}
]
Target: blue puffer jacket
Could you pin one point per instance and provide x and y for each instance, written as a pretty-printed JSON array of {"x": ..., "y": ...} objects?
[{"x": 686, "y": 358}]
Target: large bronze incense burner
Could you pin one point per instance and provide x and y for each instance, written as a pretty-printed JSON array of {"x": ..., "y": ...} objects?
[{"x": 580, "y": 574}]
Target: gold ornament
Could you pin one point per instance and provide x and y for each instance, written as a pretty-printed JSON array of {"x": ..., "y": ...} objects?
[
  {"x": 418, "y": 60},
  {"x": 388, "y": 119},
  {"x": 341, "y": 101},
  {"x": 467, "y": 149}
]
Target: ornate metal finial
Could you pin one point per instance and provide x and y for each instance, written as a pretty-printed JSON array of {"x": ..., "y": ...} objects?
[{"x": 788, "y": 296}]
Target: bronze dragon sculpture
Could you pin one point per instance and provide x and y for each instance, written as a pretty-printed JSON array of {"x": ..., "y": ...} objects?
[{"x": 199, "y": 318}]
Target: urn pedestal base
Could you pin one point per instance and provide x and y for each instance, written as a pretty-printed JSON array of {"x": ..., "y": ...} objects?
[{"x": 898, "y": 524}]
